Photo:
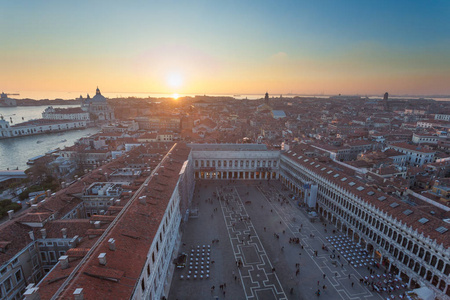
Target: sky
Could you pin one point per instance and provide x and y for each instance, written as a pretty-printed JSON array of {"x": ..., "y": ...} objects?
[{"x": 226, "y": 47}]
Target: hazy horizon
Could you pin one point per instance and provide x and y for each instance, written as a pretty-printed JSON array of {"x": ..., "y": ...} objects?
[{"x": 55, "y": 95}]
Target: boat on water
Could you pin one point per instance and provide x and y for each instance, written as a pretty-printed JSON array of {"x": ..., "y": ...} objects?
[
  {"x": 38, "y": 142},
  {"x": 52, "y": 152},
  {"x": 62, "y": 141},
  {"x": 32, "y": 160}
]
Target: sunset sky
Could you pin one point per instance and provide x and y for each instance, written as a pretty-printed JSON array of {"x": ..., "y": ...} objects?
[{"x": 226, "y": 47}]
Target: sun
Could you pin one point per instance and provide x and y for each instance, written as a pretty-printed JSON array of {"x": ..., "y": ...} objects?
[
  {"x": 175, "y": 96},
  {"x": 174, "y": 80}
]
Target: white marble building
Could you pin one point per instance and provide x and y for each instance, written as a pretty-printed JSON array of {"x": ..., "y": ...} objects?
[
  {"x": 71, "y": 113},
  {"x": 40, "y": 126},
  {"x": 408, "y": 241},
  {"x": 234, "y": 161},
  {"x": 98, "y": 107}
]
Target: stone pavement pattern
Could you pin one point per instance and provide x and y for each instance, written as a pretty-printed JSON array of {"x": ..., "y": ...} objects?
[
  {"x": 258, "y": 278},
  {"x": 253, "y": 224}
]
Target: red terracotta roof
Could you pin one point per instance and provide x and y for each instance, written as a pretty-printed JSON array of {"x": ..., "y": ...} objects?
[
  {"x": 421, "y": 209},
  {"x": 135, "y": 230}
]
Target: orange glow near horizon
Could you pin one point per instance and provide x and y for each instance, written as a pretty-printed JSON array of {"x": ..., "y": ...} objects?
[{"x": 221, "y": 48}]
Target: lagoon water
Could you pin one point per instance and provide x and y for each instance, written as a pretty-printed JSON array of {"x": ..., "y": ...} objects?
[{"x": 15, "y": 152}]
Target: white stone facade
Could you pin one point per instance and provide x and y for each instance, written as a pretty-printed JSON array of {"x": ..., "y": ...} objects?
[
  {"x": 424, "y": 139},
  {"x": 411, "y": 255},
  {"x": 414, "y": 157},
  {"x": 38, "y": 127},
  {"x": 236, "y": 164},
  {"x": 155, "y": 279},
  {"x": 75, "y": 113},
  {"x": 442, "y": 117}
]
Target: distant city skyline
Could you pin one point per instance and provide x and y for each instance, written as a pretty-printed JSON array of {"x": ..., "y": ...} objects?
[{"x": 232, "y": 47}]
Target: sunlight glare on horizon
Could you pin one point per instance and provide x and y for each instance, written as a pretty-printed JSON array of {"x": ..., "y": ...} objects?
[{"x": 175, "y": 96}]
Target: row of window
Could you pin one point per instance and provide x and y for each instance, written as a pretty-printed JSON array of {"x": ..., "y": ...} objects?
[
  {"x": 51, "y": 244},
  {"x": 345, "y": 203},
  {"x": 168, "y": 224},
  {"x": 50, "y": 256},
  {"x": 237, "y": 163},
  {"x": 9, "y": 283},
  {"x": 396, "y": 243},
  {"x": 408, "y": 253},
  {"x": 392, "y": 234},
  {"x": 95, "y": 204}
]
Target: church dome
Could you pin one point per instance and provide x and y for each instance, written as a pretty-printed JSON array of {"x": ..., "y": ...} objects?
[{"x": 98, "y": 98}]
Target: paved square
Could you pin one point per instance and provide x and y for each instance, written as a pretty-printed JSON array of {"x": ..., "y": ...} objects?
[
  {"x": 250, "y": 255},
  {"x": 249, "y": 226}
]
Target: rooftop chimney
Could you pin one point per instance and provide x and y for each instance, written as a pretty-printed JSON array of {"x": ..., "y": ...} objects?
[
  {"x": 43, "y": 233},
  {"x": 143, "y": 199},
  {"x": 102, "y": 212},
  {"x": 74, "y": 242},
  {"x": 31, "y": 233},
  {"x": 102, "y": 259},
  {"x": 78, "y": 294},
  {"x": 64, "y": 233},
  {"x": 10, "y": 213},
  {"x": 64, "y": 261},
  {"x": 32, "y": 294},
  {"x": 112, "y": 244},
  {"x": 117, "y": 202},
  {"x": 97, "y": 224}
]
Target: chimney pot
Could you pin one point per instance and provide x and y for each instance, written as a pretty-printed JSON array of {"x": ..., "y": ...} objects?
[
  {"x": 112, "y": 244},
  {"x": 44, "y": 233},
  {"x": 78, "y": 294},
  {"x": 10, "y": 213},
  {"x": 74, "y": 242},
  {"x": 64, "y": 233},
  {"x": 64, "y": 260},
  {"x": 31, "y": 233},
  {"x": 97, "y": 224},
  {"x": 32, "y": 294},
  {"x": 102, "y": 259}
]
